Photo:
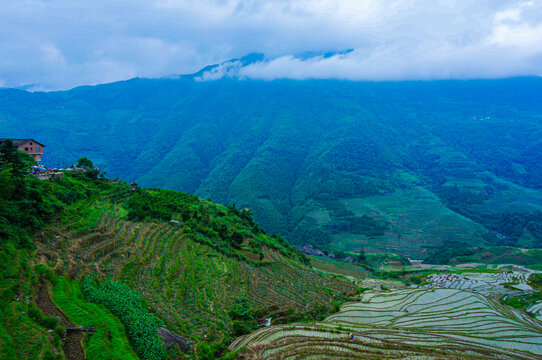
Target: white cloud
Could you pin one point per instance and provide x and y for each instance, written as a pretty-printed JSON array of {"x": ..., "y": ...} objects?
[
  {"x": 62, "y": 43},
  {"x": 512, "y": 31},
  {"x": 478, "y": 48},
  {"x": 227, "y": 69},
  {"x": 426, "y": 61},
  {"x": 513, "y": 13},
  {"x": 52, "y": 54}
]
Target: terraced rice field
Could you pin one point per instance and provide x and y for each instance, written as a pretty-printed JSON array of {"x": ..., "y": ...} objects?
[
  {"x": 408, "y": 324},
  {"x": 416, "y": 217},
  {"x": 189, "y": 284},
  {"x": 349, "y": 270},
  {"x": 489, "y": 284},
  {"x": 379, "y": 284}
]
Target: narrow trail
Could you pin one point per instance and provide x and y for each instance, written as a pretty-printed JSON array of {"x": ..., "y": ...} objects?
[{"x": 72, "y": 343}]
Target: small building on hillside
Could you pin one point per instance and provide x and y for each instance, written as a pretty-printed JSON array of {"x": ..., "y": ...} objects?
[{"x": 29, "y": 146}]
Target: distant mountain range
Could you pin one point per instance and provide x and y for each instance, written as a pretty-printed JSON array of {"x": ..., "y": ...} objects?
[{"x": 388, "y": 166}]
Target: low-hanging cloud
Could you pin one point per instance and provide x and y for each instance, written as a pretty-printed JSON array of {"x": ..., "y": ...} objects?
[{"x": 58, "y": 44}]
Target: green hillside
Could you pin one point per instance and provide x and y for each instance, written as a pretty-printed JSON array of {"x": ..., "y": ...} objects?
[
  {"x": 346, "y": 164},
  {"x": 110, "y": 258},
  {"x": 128, "y": 264}
]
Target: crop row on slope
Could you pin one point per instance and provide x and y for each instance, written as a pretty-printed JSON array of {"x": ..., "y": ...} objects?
[
  {"x": 21, "y": 336},
  {"x": 224, "y": 228},
  {"x": 191, "y": 274},
  {"x": 165, "y": 262},
  {"x": 129, "y": 306},
  {"x": 27, "y": 205},
  {"x": 340, "y": 267},
  {"x": 198, "y": 286}
]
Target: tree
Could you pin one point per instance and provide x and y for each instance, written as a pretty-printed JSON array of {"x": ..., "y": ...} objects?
[
  {"x": 85, "y": 163},
  {"x": 236, "y": 239},
  {"x": 7, "y": 185},
  {"x": 11, "y": 159}
]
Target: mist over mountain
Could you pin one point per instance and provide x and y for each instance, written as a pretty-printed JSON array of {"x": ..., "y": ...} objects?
[{"x": 379, "y": 165}]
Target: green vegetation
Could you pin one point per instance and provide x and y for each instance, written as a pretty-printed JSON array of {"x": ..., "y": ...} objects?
[
  {"x": 340, "y": 267},
  {"x": 109, "y": 341},
  {"x": 27, "y": 206},
  {"x": 23, "y": 208},
  {"x": 130, "y": 308},
  {"x": 198, "y": 281},
  {"x": 406, "y": 276},
  {"x": 48, "y": 322},
  {"x": 522, "y": 301},
  {"x": 535, "y": 280},
  {"x": 457, "y": 253},
  {"x": 224, "y": 228},
  {"x": 391, "y": 167},
  {"x": 188, "y": 275},
  {"x": 85, "y": 163},
  {"x": 243, "y": 319}
]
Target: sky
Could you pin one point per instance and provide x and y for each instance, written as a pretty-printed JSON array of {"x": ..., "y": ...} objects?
[{"x": 60, "y": 44}]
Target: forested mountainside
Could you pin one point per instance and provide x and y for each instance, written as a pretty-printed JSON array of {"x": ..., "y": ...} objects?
[{"x": 386, "y": 166}]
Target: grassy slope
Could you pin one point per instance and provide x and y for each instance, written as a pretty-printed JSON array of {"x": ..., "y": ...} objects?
[
  {"x": 109, "y": 341},
  {"x": 33, "y": 205},
  {"x": 416, "y": 218},
  {"x": 190, "y": 284},
  {"x": 20, "y": 336},
  {"x": 530, "y": 258},
  {"x": 189, "y": 275},
  {"x": 339, "y": 267}
]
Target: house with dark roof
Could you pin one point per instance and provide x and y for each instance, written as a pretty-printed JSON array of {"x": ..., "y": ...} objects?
[{"x": 29, "y": 146}]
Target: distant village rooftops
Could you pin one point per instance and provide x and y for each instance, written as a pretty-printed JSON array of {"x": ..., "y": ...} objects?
[{"x": 29, "y": 146}]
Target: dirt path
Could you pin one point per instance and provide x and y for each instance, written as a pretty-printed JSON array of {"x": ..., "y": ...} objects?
[{"x": 72, "y": 343}]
